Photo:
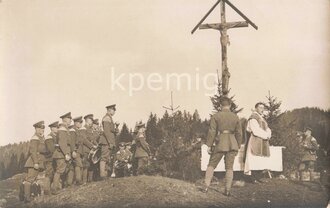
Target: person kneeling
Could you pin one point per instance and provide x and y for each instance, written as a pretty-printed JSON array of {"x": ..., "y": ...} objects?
[{"x": 122, "y": 159}]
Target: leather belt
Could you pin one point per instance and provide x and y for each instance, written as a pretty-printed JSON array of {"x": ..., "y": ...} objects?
[{"x": 226, "y": 132}]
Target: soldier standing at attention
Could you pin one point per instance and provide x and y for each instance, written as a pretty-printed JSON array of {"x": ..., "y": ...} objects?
[
  {"x": 88, "y": 144},
  {"x": 77, "y": 152},
  {"x": 50, "y": 146},
  {"x": 225, "y": 131},
  {"x": 35, "y": 161},
  {"x": 310, "y": 146},
  {"x": 107, "y": 139},
  {"x": 96, "y": 133},
  {"x": 62, "y": 150},
  {"x": 70, "y": 166},
  {"x": 142, "y": 151}
]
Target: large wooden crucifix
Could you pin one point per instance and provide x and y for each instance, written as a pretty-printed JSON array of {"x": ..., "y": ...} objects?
[{"x": 224, "y": 38}]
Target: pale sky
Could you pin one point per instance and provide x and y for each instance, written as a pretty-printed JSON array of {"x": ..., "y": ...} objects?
[{"x": 57, "y": 55}]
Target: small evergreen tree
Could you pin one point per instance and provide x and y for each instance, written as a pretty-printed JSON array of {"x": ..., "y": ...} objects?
[
  {"x": 218, "y": 97},
  {"x": 196, "y": 116},
  {"x": 273, "y": 107},
  {"x": 125, "y": 135},
  {"x": 153, "y": 133}
]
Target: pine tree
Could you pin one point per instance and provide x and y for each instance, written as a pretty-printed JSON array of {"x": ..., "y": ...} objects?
[
  {"x": 125, "y": 135},
  {"x": 165, "y": 126},
  {"x": 196, "y": 116},
  {"x": 273, "y": 107},
  {"x": 153, "y": 133},
  {"x": 218, "y": 97}
]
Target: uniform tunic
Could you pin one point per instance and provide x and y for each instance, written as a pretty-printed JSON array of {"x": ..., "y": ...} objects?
[
  {"x": 225, "y": 131},
  {"x": 95, "y": 138},
  {"x": 142, "y": 152},
  {"x": 62, "y": 148},
  {"x": 107, "y": 139},
  {"x": 142, "y": 147},
  {"x": 87, "y": 145},
  {"x": 62, "y": 143},
  {"x": 109, "y": 131},
  {"x": 121, "y": 165},
  {"x": 124, "y": 155},
  {"x": 50, "y": 146},
  {"x": 310, "y": 146},
  {"x": 77, "y": 145},
  {"x": 37, "y": 151}
]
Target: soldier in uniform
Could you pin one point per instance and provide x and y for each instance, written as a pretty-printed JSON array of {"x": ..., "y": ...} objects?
[
  {"x": 69, "y": 172},
  {"x": 36, "y": 158},
  {"x": 62, "y": 150},
  {"x": 93, "y": 169},
  {"x": 50, "y": 146},
  {"x": 76, "y": 146},
  {"x": 128, "y": 147},
  {"x": 142, "y": 151},
  {"x": 89, "y": 144},
  {"x": 107, "y": 139},
  {"x": 96, "y": 129},
  {"x": 310, "y": 147},
  {"x": 122, "y": 158},
  {"x": 225, "y": 131}
]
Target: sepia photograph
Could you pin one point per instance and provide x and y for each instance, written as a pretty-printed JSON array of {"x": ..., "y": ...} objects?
[{"x": 154, "y": 103}]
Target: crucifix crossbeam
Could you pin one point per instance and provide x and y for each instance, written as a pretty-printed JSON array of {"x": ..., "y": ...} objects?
[{"x": 223, "y": 26}]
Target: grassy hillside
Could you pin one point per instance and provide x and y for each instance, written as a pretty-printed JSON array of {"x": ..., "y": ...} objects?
[{"x": 156, "y": 191}]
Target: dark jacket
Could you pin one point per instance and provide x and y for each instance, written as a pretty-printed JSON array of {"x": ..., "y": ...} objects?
[
  {"x": 310, "y": 146},
  {"x": 225, "y": 131},
  {"x": 109, "y": 132},
  {"x": 37, "y": 151},
  {"x": 50, "y": 146},
  {"x": 142, "y": 147},
  {"x": 62, "y": 143},
  {"x": 86, "y": 136}
]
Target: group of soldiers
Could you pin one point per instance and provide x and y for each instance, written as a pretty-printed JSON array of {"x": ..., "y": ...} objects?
[
  {"x": 65, "y": 152},
  {"x": 64, "y": 155}
]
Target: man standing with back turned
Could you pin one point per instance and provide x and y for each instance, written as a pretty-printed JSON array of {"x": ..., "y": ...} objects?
[{"x": 225, "y": 131}]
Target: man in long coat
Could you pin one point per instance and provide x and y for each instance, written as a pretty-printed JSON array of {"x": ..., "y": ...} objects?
[{"x": 257, "y": 144}]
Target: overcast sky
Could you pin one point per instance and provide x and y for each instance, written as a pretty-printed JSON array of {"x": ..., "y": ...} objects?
[{"x": 57, "y": 56}]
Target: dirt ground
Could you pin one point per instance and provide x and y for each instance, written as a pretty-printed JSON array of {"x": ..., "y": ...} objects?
[{"x": 156, "y": 191}]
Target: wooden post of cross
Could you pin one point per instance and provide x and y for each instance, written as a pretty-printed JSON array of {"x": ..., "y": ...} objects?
[{"x": 223, "y": 26}]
